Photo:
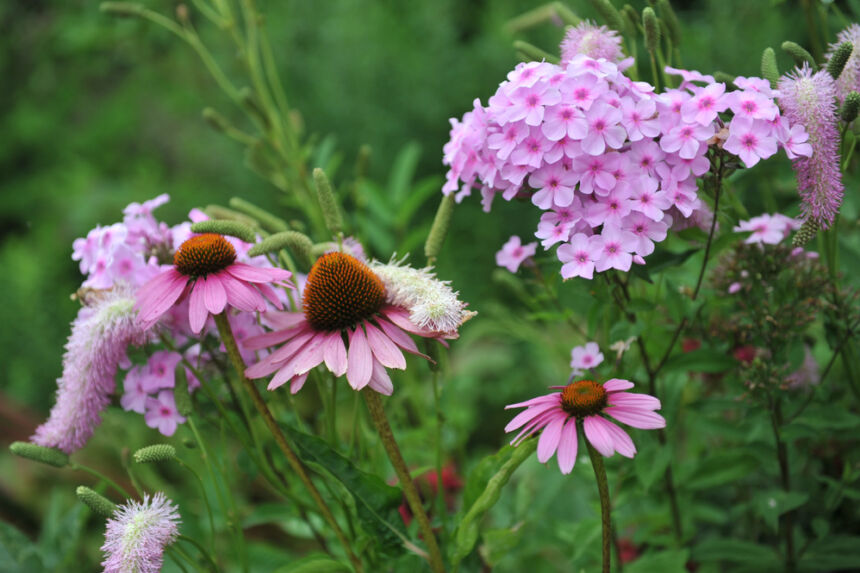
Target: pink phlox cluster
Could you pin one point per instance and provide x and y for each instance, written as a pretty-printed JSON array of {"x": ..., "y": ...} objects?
[
  {"x": 137, "y": 533},
  {"x": 768, "y": 229},
  {"x": 611, "y": 165},
  {"x": 513, "y": 253},
  {"x": 96, "y": 347}
]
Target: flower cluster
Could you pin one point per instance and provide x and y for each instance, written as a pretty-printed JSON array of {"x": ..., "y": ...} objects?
[
  {"x": 610, "y": 163},
  {"x": 768, "y": 229}
]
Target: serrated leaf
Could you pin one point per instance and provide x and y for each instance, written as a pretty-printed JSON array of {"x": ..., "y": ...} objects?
[{"x": 376, "y": 502}]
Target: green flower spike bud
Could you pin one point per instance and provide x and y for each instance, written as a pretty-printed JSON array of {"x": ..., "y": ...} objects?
[
  {"x": 328, "y": 203},
  {"x": 672, "y": 24},
  {"x": 155, "y": 453},
  {"x": 181, "y": 396},
  {"x": 224, "y": 214},
  {"x": 652, "y": 29},
  {"x": 533, "y": 53},
  {"x": 50, "y": 456},
  {"x": 839, "y": 59},
  {"x": 297, "y": 243},
  {"x": 851, "y": 107},
  {"x": 441, "y": 224},
  {"x": 806, "y": 233},
  {"x": 769, "y": 69},
  {"x": 229, "y": 228},
  {"x": 610, "y": 15},
  {"x": 799, "y": 54},
  {"x": 267, "y": 221},
  {"x": 99, "y": 504},
  {"x": 631, "y": 17}
]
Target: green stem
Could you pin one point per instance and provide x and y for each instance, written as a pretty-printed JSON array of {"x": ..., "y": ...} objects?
[
  {"x": 787, "y": 519},
  {"x": 441, "y": 506},
  {"x": 229, "y": 341},
  {"x": 119, "y": 489},
  {"x": 603, "y": 490},
  {"x": 202, "y": 492},
  {"x": 380, "y": 420},
  {"x": 213, "y": 566}
]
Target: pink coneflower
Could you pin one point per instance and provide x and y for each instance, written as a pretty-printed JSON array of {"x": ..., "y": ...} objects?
[
  {"x": 137, "y": 534},
  {"x": 592, "y": 41},
  {"x": 810, "y": 100},
  {"x": 205, "y": 269},
  {"x": 97, "y": 345},
  {"x": 355, "y": 324},
  {"x": 584, "y": 401}
]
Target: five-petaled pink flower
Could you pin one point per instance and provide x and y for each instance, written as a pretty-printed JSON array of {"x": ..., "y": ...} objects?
[
  {"x": 513, "y": 253},
  {"x": 587, "y": 403},
  {"x": 205, "y": 269},
  {"x": 585, "y": 357},
  {"x": 749, "y": 139}
]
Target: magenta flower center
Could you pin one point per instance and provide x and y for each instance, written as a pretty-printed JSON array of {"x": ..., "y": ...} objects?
[
  {"x": 204, "y": 254},
  {"x": 584, "y": 398}
]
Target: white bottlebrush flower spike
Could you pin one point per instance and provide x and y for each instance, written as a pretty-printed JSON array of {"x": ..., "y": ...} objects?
[{"x": 431, "y": 302}]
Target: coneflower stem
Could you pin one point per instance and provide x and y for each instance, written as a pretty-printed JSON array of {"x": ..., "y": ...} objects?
[
  {"x": 380, "y": 420},
  {"x": 603, "y": 490},
  {"x": 229, "y": 341}
]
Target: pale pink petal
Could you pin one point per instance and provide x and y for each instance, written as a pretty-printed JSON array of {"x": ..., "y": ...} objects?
[
  {"x": 159, "y": 294},
  {"x": 197, "y": 313},
  {"x": 401, "y": 318},
  {"x": 636, "y": 418},
  {"x": 297, "y": 383},
  {"x": 567, "y": 447},
  {"x": 634, "y": 401},
  {"x": 241, "y": 295},
  {"x": 214, "y": 296},
  {"x": 380, "y": 380},
  {"x": 598, "y": 435},
  {"x": 270, "y": 294},
  {"x": 291, "y": 348},
  {"x": 617, "y": 384},
  {"x": 272, "y": 338},
  {"x": 334, "y": 353},
  {"x": 359, "y": 361},
  {"x": 283, "y": 320},
  {"x": 549, "y": 438},
  {"x": 253, "y": 274},
  {"x": 310, "y": 355},
  {"x": 545, "y": 398},
  {"x": 535, "y": 425},
  {"x": 528, "y": 414},
  {"x": 282, "y": 376},
  {"x": 623, "y": 443},
  {"x": 384, "y": 349},
  {"x": 400, "y": 338}
]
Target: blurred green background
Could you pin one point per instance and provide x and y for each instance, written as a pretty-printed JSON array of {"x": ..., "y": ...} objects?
[{"x": 99, "y": 111}]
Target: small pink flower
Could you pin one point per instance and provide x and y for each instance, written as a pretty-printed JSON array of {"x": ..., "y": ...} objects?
[
  {"x": 752, "y": 105},
  {"x": 134, "y": 393},
  {"x": 587, "y": 403},
  {"x": 796, "y": 144},
  {"x": 513, "y": 253},
  {"x": 585, "y": 357},
  {"x": 604, "y": 129},
  {"x": 750, "y": 139},
  {"x": 579, "y": 256},
  {"x": 647, "y": 231},
  {"x": 615, "y": 248},
  {"x": 705, "y": 105},
  {"x": 564, "y": 120},
  {"x": 639, "y": 118},
  {"x": 205, "y": 269},
  {"x": 551, "y": 233},
  {"x": 768, "y": 229},
  {"x": 554, "y": 184},
  {"x": 686, "y": 139},
  {"x": 161, "y": 413}
]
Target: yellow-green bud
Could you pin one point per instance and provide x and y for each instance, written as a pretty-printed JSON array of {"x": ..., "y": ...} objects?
[
  {"x": 806, "y": 233},
  {"x": 297, "y": 243},
  {"x": 652, "y": 29},
  {"x": 631, "y": 16},
  {"x": 215, "y": 120},
  {"x": 610, "y": 15},
  {"x": 328, "y": 203},
  {"x": 769, "y": 69},
  {"x": 99, "y": 504},
  {"x": 230, "y": 228},
  {"x": 850, "y": 107},
  {"x": 441, "y": 224},
  {"x": 155, "y": 453},
  {"x": 798, "y": 54},
  {"x": 839, "y": 59},
  {"x": 267, "y": 221},
  {"x": 50, "y": 456}
]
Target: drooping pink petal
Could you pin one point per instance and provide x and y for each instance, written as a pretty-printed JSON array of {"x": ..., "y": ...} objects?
[
  {"x": 617, "y": 384},
  {"x": 240, "y": 295},
  {"x": 291, "y": 348},
  {"x": 380, "y": 380},
  {"x": 270, "y": 294},
  {"x": 214, "y": 295},
  {"x": 254, "y": 274},
  {"x": 297, "y": 383},
  {"x": 159, "y": 294},
  {"x": 554, "y": 397},
  {"x": 272, "y": 338},
  {"x": 311, "y": 355},
  {"x": 334, "y": 353},
  {"x": 400, "y": 338},
  {"x": 529, "y": 414},
  {"x": 636, "y": 418},
  {"x": 634, "y": 401},
  {"x": 283, "y": 320},
  {"x": 549, "y": 438},
  {"x": 197, "y": 313},
  {"x": 623, "y": 443},
  {"x": 567, "y": 447},
  {"x": 384, "y": 349},
  {"x": 535, "y": 425},
  {"x": 359, "y": 361},
  {"x": 598, "y": 435}
]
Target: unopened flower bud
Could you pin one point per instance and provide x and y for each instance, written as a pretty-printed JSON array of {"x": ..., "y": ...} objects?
[
  {"x": 229, "y": 228},
  {"x": 799, "y": 54},
  {"x": 806, "y": 233},
  {"x": 851, "y": 107},
  {"x": 652, "y": 29},
  {"x": 838, "y": 60},
  {"x": 297, "y": 243},
  {"x": 328, "y": 203},
  {"x": 99, "y": 504},
  {"x": 439, "y": 230},
  {"x": 50, "y": 456},
  {"x": 769, "y": 69},
  {"x": 672, "y": 25},
  {"x": 155, "y": 453},
  {"x": 610, "y": 15}
]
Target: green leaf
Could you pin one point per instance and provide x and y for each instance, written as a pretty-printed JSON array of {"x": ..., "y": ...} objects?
[
  {"x": 723, "y": 467},
  {"x": 420, "y": 193},
  {"x": 702, "y": 360},
  {"x": 315, "y": 563},
  {"x": 376, "y": 502},
  {"x": 476, "y": 481},
  {"x": 820, "y": 417},
  {"x": 17, "y": 553},
  {"x": 835, "y": 552},
  {"x": 466, "y": 534},
  {"x": 498, "y": 543},
  {"x": 771, "y": 504},
  {"x": 664, "y": 259},
  {"x": 651, "y": 463},
  {"x": 733, "y": 551},
  {"x": 402, "y": 172},
  {"x": 662, "y": 561}
]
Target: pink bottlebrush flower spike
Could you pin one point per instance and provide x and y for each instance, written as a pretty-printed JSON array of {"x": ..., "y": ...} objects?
[
  {"x": 810, "y": 100},
  {"x": 137, "y": 534},
  {"x": 585, "y": 402},
  {"x": 591, "y": 40},
  {"x": 205, "y": 269}
]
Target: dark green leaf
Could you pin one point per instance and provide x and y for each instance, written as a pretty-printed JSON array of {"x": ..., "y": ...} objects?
[
  {"x": 732, "y": 551},
  {"x": 771, "y": 504},
  {"x": 702, "y": 360},
  {"x": 498, "y": 543},
  {"x": 722, "y": 468},
  {"x": 662, "y": 561},
  {"x": 316, "y": 563}
]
